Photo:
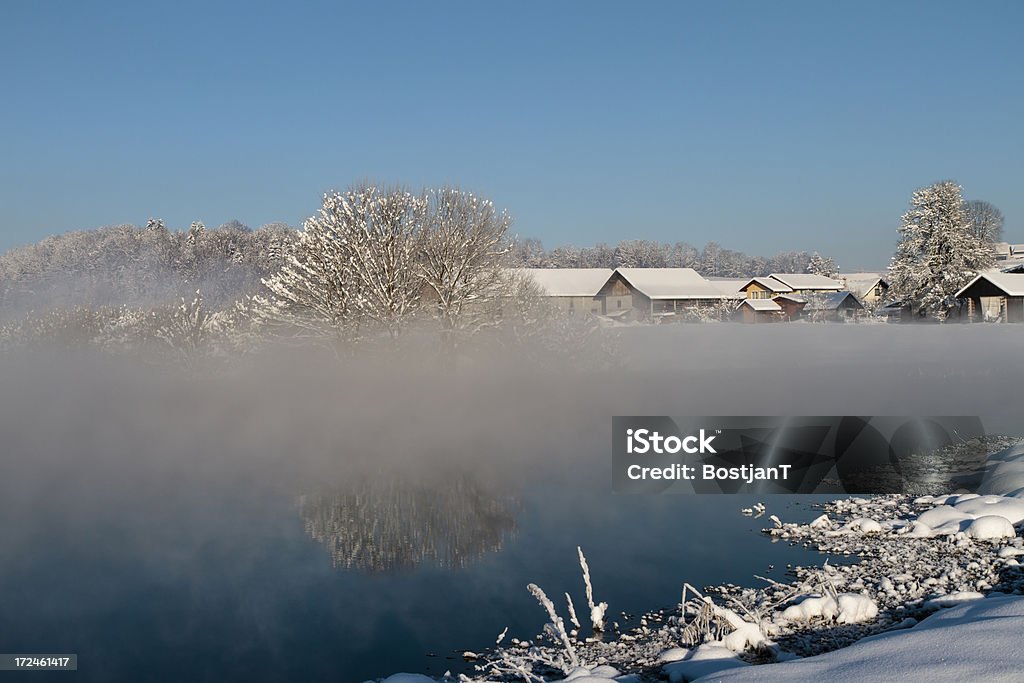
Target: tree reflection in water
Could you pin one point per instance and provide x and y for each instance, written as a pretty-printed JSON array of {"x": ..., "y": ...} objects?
[{"x": 388, "y": 524}]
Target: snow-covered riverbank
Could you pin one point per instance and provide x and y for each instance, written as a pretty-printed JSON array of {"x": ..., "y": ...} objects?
[{"x": 925, "y": 568}]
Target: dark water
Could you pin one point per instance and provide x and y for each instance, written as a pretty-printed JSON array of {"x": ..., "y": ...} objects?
[{"x": 194, "y": 585}]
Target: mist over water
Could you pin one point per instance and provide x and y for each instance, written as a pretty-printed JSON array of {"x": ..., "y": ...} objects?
[{"x": 359, "y": 513}]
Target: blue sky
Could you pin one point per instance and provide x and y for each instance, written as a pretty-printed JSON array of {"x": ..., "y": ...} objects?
[{"x": 764, "y": 126}]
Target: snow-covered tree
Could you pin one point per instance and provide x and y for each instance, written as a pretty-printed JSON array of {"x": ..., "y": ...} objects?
[
  {"x": 819, "y": 265},
  {"x": 938, "y": 253},
  {"x": 461, "y": 256},
  {"x": 355, "y": 262},
  {"x": 986, "y": 220}
]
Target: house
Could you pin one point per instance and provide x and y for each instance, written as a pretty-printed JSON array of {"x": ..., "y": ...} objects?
[
  {"x": 894, "y": 311},
  {"x": 995, "y": 296},
  {"x": 788, "y": 283},
  {"x": 832, "y": 306},
  {"x": 661, "y": 292},
  {"x": 792, "y": 306},
  {"x": 754, "y": 310},
  {"x": 1000, "y": 251},
  {"x": 731, "y": 286},
  {"x": 807, "y": 283},
  {"x": 617, "y": 295},
  {"x": 782, "y": 308},
  {"x": 573, "y": 290},
  {"x": 870, "y": 288},
  {"x": 764, "y": 288}
]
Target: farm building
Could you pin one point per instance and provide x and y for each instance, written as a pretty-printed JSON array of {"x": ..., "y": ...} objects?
[
  {"x": 870, "y": 288},
  {"x": 759, "y": 311},
  {"x": 1000, "y": 251},
  {"x": 617, "y": 297},
  {"x": 995, "y": 296},
  {"x": 788, "y": 283},
  {"x": 806, "y": 283},
  {"x": 782, "y": 308},
  {"x": 573, "y": 290},
  {"x": 792, "y": 306},
  {"x": 668, "y": 291},
  {"x": 731, "y": 286},
  {"x": 832, "y": 306}
]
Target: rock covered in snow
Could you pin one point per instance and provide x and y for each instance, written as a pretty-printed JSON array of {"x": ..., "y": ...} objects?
[{"x": 991, "y": 526}]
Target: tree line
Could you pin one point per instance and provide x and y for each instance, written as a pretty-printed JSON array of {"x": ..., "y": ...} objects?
[
  {"x": 374, "y": 261},
  {"x": 712, "y": 260}
]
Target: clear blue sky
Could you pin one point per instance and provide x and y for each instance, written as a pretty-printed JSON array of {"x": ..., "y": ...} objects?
[{"x": 762, "y": 125}]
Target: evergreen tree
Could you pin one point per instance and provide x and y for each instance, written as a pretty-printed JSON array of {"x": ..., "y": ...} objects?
[{"x": 938, "y": 253}]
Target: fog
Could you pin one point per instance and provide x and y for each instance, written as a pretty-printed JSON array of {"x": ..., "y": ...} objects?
[{"x": 297, "y": 419}]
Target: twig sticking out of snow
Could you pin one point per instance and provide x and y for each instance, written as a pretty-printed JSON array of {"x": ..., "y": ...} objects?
[
  {"x": 556, "y": 622},
  {"x": 572, "y": 611},
  {"x": 688, "y": 587},
  {"x": 501, "y": 636},
  {"x": 596, "y": 611}
]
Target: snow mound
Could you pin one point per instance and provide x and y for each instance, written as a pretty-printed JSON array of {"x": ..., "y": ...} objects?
[
  {"x": 978, "y": 640},
  {"x": 847, "y": 608},
  {"x": 865, "y": 525},
  {"x": 944, "y": 519},
  {"x": 600, "y": 674},
  {"x": 706, "y": 660},
  {"x": 953, "y": 514},
  {"x": 822, "y": 522},
  {"x": 991, "y": 526},
  {"x": 673, "y": 654},
  {"x": 408, "y": 678},
  {"x": 953, "y": 599}
]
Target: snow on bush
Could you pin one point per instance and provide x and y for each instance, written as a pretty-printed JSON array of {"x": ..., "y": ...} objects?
[{"x": 845, "y": 608}]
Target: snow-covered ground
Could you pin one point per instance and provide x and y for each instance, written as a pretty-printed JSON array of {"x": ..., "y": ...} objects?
[
  {"x": 935, "y": 596},
  {"x": 978, "y": 640}
]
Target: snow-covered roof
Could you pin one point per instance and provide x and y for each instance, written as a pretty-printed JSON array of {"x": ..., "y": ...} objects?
[
  {"x": 861, "y": 283},
  {"x": 999, "y": 248},
  {"x": 1017, "y": 249},
  {"x": 807, "y": 281},
  {"x": 729, "y": 286},
  {"x": 831, "y": 301},
  {"x": 790, "y": 297},
  {"x": 1011, "y": 283},
  {"x": 671, "y": 283},
  {"x": 761, "y": 304},
  {"x": 568, "y": 281},
  {"x": 768, "y": 283}
]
